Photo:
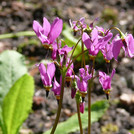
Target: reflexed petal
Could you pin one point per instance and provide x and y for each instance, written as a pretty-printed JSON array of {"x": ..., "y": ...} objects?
[
  {"x": 94, "y": 36},
  {"x": 56, "y": 29},
  {"x": 82, "y": 72},
  {"x": 37, "y": 27},
  {"x": 130, "y": 45},
  {"x": 51, "y": 70},
  {"x": 46, "y": 26},
  {"x": 108, "y": 37},
  {"x": 39, "y": 32},
  {"x": 47, "y": 80},
  {"x": 66, "y": 49},
  {"x": 56, "y": 87},
  {"x": 86, "y": 40},
  {"x": 82, "y": 86},
  {"x": 54, "y": 52},
  {"x": 42, "y": 68},
  {"x": 107, "y": 83},
  {"x": 117, "y": 44}
]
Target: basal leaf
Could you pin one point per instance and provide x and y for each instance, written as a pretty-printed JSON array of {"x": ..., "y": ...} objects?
[
  {"x": 71, "y": 125},
  {"x": 17, "y": 104},
  {"x": 12, "y": 67}
]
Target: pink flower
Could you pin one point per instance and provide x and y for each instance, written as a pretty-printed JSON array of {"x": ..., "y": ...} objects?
[
  {"x": 91, "y": 43},
  {"x": 82, "y": 80},
  {"x": 78, "y": 25},
  {"x": 56, "y": 88},
  {"x": 98, "y": 39},
  {"x": 126, "y": 42},
  {"x": 105, "y": 80},
  {"x": 70, "y": 69},
  {"x": 47, "y": 74},
  {"x": 48, "y": 33},
  {"x": 57, "y": 50},
  {"x": 107, "y": 51}
]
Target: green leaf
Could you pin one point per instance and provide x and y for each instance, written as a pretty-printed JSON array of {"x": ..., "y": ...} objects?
[
  {"x": 71, "y": 125},
  {"x": 12, "y": 67},
  {"x": 17, "y": 104}
]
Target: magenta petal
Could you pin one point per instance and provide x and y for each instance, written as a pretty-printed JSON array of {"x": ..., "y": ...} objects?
[
  {"x": 86, "y": 40},
  {"x": 82, "y": 85},
  {"x": 108, "y": 37},
  {"x": 117, "y": 44},
  {"x": 65, "y": 49},
  {"x": 55, "y": 49},
  {"x": 46, "y": 26},
  {"x": 109, "y": 54},
  {"x": 56, "y": 29},
  {"x": 38, "y": 30},
  {"x": 56, "y": 87},
  {"x": 42, "y": 68},
  {"x": 94, "y": 36},
  {"x": 130, "y": 45},
  {"x": 37, "y": 27},
  {"x": 51, "y": 70},
  {"x": 47, "y": 80}
]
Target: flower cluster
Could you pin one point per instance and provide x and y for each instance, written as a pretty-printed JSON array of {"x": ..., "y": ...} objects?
[{"x": 96, "y": 39}]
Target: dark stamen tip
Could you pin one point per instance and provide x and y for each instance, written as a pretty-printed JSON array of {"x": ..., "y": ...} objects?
[{"x": 47, "y": 93}]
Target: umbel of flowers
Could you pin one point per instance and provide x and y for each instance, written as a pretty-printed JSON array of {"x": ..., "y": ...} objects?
[{"x": 95, "y": 39}]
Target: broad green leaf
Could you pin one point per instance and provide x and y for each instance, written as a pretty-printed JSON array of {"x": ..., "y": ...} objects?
[
  {"x": 17, "y": 104},
  {"x": 71, "y": 125},
  {"x": 12, "y": 67}
]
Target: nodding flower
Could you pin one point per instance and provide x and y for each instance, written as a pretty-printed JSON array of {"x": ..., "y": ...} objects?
[
  {"x": 82, "y": 83},
  {"x": 126, "y": 42},
  {"x": 105, "y": 81},
  {"x": 56, "y": 89},
  {"x": 47, "y": 74},
  {"x": 78, "y": 25},
  {"x": 97, "y": 40},
  {"x": 48, "y": 32}
]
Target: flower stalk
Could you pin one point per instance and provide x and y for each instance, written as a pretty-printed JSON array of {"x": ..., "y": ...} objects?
[
  {"x": 60, "y": 104},
  {"x": 89, "y": 104},
  {"x": 79, "y": 117}
]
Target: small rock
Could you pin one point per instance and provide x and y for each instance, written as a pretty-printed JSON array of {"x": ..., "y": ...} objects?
[{"x": 127, "y": 98}]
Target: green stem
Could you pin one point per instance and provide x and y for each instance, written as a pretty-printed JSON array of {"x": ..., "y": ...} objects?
[
  {"x": 74, "y": 49},
  {"x": 89, "y": 105},
  {"x": 18, "y": 34},
  {"x": 76, "y": 58},
  {"x": 89, "y": 97},
  {"x": 79, "y": 117},
  {"x": 116, "y": 28},
  {"x": 60, "y": 104},
  {"x": 83, "y": 56}
]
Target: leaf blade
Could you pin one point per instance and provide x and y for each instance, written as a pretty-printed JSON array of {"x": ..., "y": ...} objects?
[
  {"x": 71, "y": 125},
  {"x": 17, "y": 104},
  {"x": 12, "y": 67}
]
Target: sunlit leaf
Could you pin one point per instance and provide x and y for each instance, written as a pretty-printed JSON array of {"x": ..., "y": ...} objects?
[
  {"x": 17, "y": 104},
  {"x": 71, "y": 125}
]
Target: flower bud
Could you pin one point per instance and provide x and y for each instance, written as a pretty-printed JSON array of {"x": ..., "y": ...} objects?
[
  {"x": 73, "y": 89},
  {"x": 82, "y": 107}
]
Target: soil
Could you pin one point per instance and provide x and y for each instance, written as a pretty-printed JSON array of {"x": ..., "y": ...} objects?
[{"x": 18, "y": 16}]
